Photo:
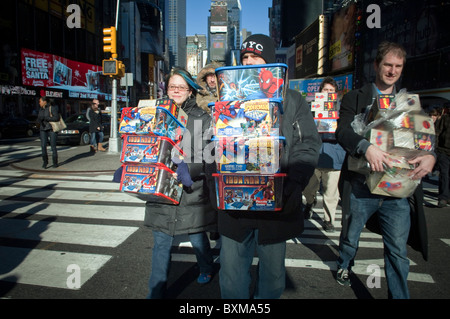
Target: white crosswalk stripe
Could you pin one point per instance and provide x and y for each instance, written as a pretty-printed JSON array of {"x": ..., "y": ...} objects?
[
  {"x": 42, "y": 208},
  {"x": 29, "y": 200}
]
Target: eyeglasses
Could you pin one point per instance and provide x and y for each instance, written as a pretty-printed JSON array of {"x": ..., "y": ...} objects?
[{"x": 178, "y": 87}]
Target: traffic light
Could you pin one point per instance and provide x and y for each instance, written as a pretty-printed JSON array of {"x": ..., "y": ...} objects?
[
  {"x": 110, "y": 41},
  {"x": 113, "y": 68}
]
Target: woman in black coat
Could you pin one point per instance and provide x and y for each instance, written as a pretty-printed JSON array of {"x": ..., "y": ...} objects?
[
  {"x": 48, "y": 113},
  {"x": 194, "y": 215}
]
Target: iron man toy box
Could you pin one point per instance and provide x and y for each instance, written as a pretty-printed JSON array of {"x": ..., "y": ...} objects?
[
  {"x": 151, "y": 183},
  {"x": 249, "y": 192},
  {"x": 149, "y": 149}
]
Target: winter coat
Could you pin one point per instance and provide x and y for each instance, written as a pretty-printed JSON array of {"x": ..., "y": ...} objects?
[
  {"x": 44, "y": 117},
  {"x": 299, "y": 159},
  {"x": 442, "y": 126},
  {"x": 194, "y": 213},
  {"x": 356, "y": 102},
  {"x": 95, "y": 120},
  {"x": 205, "y": 96}
]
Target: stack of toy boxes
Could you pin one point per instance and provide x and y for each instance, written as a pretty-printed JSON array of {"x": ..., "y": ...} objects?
[
  {"x": 399, "y": 126},
  {"x": 246, "y": 136},
  {"x": 151, "y": 134},
  {"x": 325, "y": 112}
]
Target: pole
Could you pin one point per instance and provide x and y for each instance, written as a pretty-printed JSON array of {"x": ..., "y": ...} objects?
[{"x": 113, "y": 140}]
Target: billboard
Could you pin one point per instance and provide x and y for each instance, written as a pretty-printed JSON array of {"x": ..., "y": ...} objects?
[
  {"x": 219, "y": 14},
  {"x": 310, "y": 52},
  {"x": 342, "y": 38},
  {"x": 218, "y": 46},
  {"x": 52, "y": 71}
]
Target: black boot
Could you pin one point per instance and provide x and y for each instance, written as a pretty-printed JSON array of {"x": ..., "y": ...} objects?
[
  {"x": 55, "y": 162},
  {"x": 44, "y": 165}
]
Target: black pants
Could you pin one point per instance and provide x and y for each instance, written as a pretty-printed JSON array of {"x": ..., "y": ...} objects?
[
  {"x": 45, "y": 135},
  {"x": 443, "y": 161}
]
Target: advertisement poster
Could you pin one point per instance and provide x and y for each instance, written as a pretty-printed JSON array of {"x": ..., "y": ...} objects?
[
  {"x": 308, "y": 87},
  {"x": 40, "y": 69}
]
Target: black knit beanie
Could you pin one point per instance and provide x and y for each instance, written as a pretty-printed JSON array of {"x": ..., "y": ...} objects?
[{"x": 261, "y": 45}]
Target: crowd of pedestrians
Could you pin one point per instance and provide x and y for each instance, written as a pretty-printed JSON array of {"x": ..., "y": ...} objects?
[{"x": 242, "y": 234}]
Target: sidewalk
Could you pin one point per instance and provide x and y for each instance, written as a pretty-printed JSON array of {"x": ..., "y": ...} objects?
[{"x": 79, "y": 160}]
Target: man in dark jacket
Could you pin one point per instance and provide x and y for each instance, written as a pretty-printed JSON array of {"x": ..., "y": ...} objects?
[
  {"x": 267, "y": 232},
  {"x": 358, "y": 204}
]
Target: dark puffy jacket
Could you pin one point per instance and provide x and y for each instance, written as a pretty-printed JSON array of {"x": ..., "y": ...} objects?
[
  {"x": 194, "y": 213},
  {"x": 299, "y": 160}
]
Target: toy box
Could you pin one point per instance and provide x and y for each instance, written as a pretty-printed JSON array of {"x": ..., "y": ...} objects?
[
  {"x": 325, "y": 97},
  {"x": 149, "y": 149},
  {"x": 395, "y": 181},
  {"x": 249, "y": 192},
  {"x": 149, "y": 119},
  {"x": 252, "y": 82},
  {"x": 248, "y": 155},
  {"x": 326, "y": 125},
  {"x": 151, "y": 183},
  {"x": 246, "y": 118},
  {"x": 167, "y": 104}
]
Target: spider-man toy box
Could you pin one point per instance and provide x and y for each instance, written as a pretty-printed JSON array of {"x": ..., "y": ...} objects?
[
  {"x": 252, "y": 82},
  {"x": 151, "y": 183},
  {"x": 249, "y": 192},
  {"x": 145, "y": 120},
  {"x": 254, "y": 118},
  {"x": 244, "y": 155},
  {"x": 149, "y": 149}
]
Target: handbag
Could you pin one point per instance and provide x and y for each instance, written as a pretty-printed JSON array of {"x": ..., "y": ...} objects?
[{"x": 58, "y": 125}]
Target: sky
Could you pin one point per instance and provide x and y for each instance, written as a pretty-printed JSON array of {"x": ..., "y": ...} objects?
[{"x": 254, "y": 16}]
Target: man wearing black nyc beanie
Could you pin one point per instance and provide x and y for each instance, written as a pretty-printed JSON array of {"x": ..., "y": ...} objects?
[
  {"x": 260, "y": 45},
  {"x": 243, "y": 232}
]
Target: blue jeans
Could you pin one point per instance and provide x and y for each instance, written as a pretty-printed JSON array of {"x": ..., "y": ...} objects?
[
  {"x": 235, "y": 262},
  {"x": 394, "y": 218},
  {"x": 45, "y": 135},
  {"x": 161, "y": 260},
  {"x": 94, "y": 139}
]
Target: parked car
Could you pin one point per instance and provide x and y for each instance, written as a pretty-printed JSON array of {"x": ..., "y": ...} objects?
[
  {"x": 77, "y": 130},
  {"x": 17, "y": 127}
]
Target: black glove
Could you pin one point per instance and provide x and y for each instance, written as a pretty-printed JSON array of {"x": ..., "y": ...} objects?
[{"x": 292, "y": 197}]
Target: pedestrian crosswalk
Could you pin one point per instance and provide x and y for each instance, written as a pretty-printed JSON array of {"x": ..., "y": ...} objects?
[
  {"x": 66, "y": 212},
  {"x": 71, "y": 211}
]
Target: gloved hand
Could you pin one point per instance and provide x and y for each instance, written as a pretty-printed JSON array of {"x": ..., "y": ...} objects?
[
  {"x": 183, "y": 175},
  {"x": 292, "y": 197},
  {"x": 118, "y": 175}
]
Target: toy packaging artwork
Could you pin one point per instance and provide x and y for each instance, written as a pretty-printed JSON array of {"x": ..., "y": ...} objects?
[
  {"x": 149, "y": 119},
  {"x": 402, "y": 129},
  {"x": 324, "y": 109},
  {"x": 167, "y": 104},
  {"x": 151, "y": 183},
  {"x": 248, "y": 155},
  {"x": 149, "y": 149},
  {"x": 249, "y": 192},
  {"x": 252, "y": 82},
  {"x": 258, "y": 117},
  {"x": 393, "y": 181}
]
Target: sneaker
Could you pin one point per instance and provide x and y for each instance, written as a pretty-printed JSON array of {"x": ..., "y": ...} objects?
[
  {"x": 328, "y": 227},
  {"x": 442, "y": 203},
  {"x": 204, "y": 278},
  {"x": 342, "y": 277}
]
